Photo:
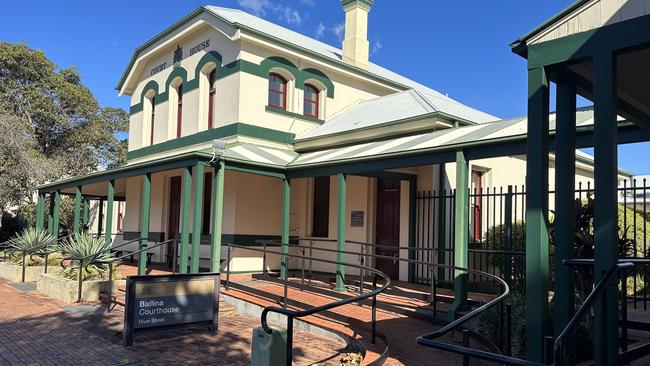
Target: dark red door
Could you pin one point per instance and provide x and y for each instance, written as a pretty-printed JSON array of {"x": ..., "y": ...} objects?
[
  {"x": 387, "y": 225},
  {"x": 173, "y": 223}
]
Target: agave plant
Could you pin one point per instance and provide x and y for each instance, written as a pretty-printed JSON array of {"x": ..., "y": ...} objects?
[
  {"x": 92, "y": 252},
  {"x": 30, "y": 242}
]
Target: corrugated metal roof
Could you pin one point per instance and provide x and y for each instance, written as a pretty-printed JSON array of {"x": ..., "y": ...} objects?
[
  {"x": 259, "y": 154},
  {"x": 407, "y": 104},
  {"x": 515, "y": 127}
]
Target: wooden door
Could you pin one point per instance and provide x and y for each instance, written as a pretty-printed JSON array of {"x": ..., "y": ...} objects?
[
  {"x": 387, "y": 225},
  {"x": 174, "y": 212}
]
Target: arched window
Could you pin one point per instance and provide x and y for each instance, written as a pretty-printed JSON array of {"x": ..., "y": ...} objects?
[
  {"x": 152, "y": 105},
  {"x": 311, "y": 101},
  {"x": 211, "y": 92},
  {"x": 179, "y": 109},
  {"x": 277, "y": 91}
]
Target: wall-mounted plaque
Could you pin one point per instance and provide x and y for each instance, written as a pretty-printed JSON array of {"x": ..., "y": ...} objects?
[{"x": 357, "y": 218}]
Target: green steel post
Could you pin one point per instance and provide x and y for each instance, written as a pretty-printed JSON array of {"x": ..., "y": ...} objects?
[
  {"x": 286, "y": 206},
  {"x": 76, "y": 227},
  {"x": 461, "y": 227},
  {"x": 110, "y": 197},
  {"x": 57, "y": 214},
  {"x": 144, "y": 222},
  {"x": 50, "y": 214},
  {"x": 40, "y": 211},
  {"x": 199, "y": 171},
  {"x": 442, "y": 219},
  {"x": 565, "y": 169},
  {"x": 340, "y": 232},
  {"x": 185, "y": 219},
  {"x": 606, "y": 208},
  {"x": 217, "y": 216},
  {"x": 537, "y": 257},
  {"x": 86, "y": 213}
]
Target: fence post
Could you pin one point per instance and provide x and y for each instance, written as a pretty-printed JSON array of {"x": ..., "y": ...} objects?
[
  {"x": 507, "y": 265},
  {"x": 81, "y": 264}
]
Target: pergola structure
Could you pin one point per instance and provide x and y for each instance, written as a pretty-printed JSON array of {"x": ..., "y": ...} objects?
[{"x": 599, "y": 50}]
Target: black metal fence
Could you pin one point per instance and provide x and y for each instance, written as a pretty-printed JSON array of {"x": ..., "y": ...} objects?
[{"x": 497, "y": 233}]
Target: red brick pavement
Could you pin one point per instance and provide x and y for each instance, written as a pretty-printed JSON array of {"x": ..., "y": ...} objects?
[{"x": 36, "y": 330}]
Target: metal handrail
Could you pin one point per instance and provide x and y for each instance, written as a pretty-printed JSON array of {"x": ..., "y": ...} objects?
[{"x": 291, "y": 314}]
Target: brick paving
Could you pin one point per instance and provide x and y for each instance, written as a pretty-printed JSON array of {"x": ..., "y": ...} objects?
[
  {"x": 395, "y": 319},
  {"x": 36, "y": 330}
]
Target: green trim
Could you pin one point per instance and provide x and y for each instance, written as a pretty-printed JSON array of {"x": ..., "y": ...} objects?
[
  {"x": 154, "y": 236},
  {"x": 210, "y": 56},
  {"x": 234, "y": 129},
  {"x": 341, "y": 195},
  {"x": 365, "y": 4},
  {"x": 274, "y": 62},
  {"x": 518, "y": 45},
  {"x": 309, "y": 73},
  {"x": 186, "y": 194},
  {"x": 267, "y": 173},
  {"x": 217, "y": 216},
  {"x": 50, "y": 213},
  {"x": 199, "y": 173},
  {"x": 145, "y": 217},
  {"x": 461, "y": 235},
  {"x": 293, "y": 115},
  {"x": 110, "y": 197}
]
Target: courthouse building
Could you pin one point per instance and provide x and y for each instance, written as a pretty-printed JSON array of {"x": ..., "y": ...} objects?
[{"x": 242, "y": 130}]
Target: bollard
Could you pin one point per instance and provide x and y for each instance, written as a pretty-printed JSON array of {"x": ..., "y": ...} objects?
[{"x": 268, "y": 349}]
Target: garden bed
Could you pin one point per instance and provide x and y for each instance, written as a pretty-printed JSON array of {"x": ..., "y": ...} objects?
[
  {"x": 66, "y": 290},
  {"x": 13, "y": 272}
]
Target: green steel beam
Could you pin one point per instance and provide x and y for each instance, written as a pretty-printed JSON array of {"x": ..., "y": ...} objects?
[
  {"x": 199, "y": 172},
  {"x": 461, "y": 227},
  {"x": 144, "y": 222},
  {"x": 340, "y": 232},
  {"x": 56, "y": 218},
  {"x": 286, "y": 207},
  {"x": 565, "y": 170},
  {"x": 50, "y": 214},
  {"x": 217, "y": 216},
  {"x": 40, "y": 211},
  {"x": 537, "y": 257},
  {"x": 185, "y": 219},
  {"x": 76, "y": 226},
  {"x": 110, "y": 198},
  {"x": 606, "y": 208}
]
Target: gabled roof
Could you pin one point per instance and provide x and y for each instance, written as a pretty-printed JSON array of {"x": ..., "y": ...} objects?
[
  {"x": 408, "y": 104},
  {"x": 309, "y": 46}
]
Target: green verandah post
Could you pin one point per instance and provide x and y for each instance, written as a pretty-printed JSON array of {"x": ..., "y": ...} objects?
[
  {"x": 340, "y": 232},
  {"x": 565, "y": 169},
  {"x": 185, "y": 219},
  {"x": 286, "y": 206},
  {"x": 606, "y": 208},
  {"x": 50, "y": 213},
  {"x": 461, "y": 243},
  {"x": 537, "y": 258},
  {"x": 56, "y": 215},
  {"x": 144, "y": 222},
  {"x": 199, "y": 171},
  {"x": 110, "y": 197},
  {"x": 217, "y": 216},
  {"x": 76, "y": 226},
  {"x": 40, "y": 211}
]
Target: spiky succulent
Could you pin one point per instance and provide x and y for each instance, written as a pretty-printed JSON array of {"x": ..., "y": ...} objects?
[
  {"x": 32, "y": 241},
  {"x": 92, "y": 252}
]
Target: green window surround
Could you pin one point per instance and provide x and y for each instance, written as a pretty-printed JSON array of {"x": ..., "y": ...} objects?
[{"x": 293, "y": 115}]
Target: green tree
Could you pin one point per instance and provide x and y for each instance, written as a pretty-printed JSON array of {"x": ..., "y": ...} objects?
[{"x": 53, "y": 127}]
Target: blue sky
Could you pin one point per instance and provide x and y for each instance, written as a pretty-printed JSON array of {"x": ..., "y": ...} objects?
[{"x": 456, "y": 47}]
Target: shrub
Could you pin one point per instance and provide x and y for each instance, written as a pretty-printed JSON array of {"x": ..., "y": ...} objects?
[
  {"x": 95, "y": 253},
  {"x": 34, "y": 243}
]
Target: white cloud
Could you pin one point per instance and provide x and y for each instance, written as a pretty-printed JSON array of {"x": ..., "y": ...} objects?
[
  {"x": 320, "y": 30},
  {"x": 376, "y": 46},
  {"x": 257, "y": 7},
  {"x": 339, "y": 31},
  {"x": 292, "y": 16}
]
